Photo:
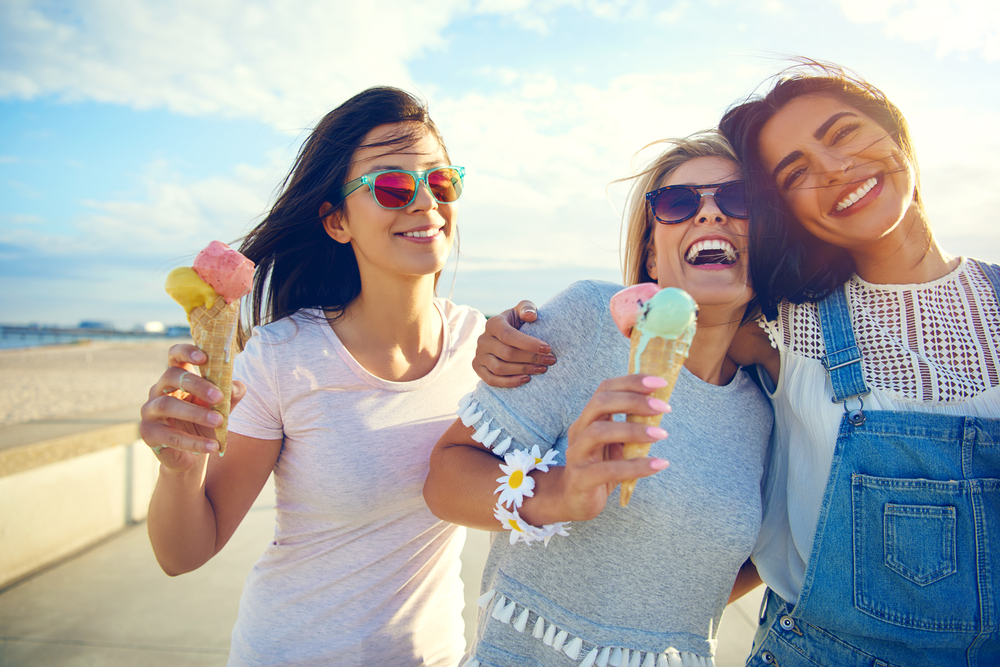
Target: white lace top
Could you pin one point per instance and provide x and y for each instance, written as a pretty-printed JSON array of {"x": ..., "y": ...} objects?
[{"x": 932, "y": 347}]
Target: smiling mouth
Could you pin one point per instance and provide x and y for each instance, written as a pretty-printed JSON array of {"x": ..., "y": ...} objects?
[
  {"x": 854, "y": 197},
  {"x": 422, "y": 234},
  {"x": 712, "y": 251}
]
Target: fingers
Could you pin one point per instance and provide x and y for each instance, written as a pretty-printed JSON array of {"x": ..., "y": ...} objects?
[
  {"x": 505, "y": 327},
  {"x": 161, "y": 437},
  {"x": 525, "y": 312},
  {"x": 178, "y": 378},
  {"x": 185, "y": 353},
  {"x": 629, "y": 394},
  {"x": 601, "y": 440},
  {"x": 505, "y": 357}
]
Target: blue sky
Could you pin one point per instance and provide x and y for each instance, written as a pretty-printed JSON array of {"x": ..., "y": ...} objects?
[{"x": 132, "y": 132}]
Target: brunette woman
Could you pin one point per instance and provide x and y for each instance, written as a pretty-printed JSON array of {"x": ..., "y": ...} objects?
[{"x": 351, "y": 374}]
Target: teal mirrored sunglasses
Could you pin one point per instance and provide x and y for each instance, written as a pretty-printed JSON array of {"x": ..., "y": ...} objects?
[{"x": 397, "y": 188}]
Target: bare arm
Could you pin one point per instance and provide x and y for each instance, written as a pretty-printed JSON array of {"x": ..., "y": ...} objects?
[
  {"x": 747, "y": 579},
  {"x": 463, "y": 474},
  {"x": 752, "y": 346},
  {"x": 505, "y": 357},
  {"x": 200, "y": 499}
]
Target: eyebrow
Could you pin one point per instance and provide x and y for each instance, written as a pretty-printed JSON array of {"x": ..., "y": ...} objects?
[
  {"x": 818, "y": 134},
  {"x": 825, "y": 127}
]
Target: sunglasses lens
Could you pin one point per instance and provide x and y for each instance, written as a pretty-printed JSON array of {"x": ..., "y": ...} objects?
[
  {"x": 732, "y": 199},
  {"x": 675, "y": 205},
  {"x": 394, "y": 189},
  {"x": 446, "y": 184}
]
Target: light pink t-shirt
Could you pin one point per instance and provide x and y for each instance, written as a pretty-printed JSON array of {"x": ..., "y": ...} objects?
[{"x": 359, "y": 571}]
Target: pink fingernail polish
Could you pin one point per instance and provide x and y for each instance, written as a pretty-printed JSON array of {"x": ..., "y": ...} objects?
[
  {"x": 214, "y": 395},
  {"x": 653, "y": 382},
  {"x": 658, "y": 464},
  {"x": 658, "y": 405},
  {"x": 656, "y": 432}
]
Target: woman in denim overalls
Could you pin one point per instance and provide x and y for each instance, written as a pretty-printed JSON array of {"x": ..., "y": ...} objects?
[{"x": 880, "y": 541}]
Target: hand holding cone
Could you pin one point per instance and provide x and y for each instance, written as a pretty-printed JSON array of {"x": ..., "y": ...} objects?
[
  {"x": 660, "y": 325},
  {"x": 210, "y": 293}
]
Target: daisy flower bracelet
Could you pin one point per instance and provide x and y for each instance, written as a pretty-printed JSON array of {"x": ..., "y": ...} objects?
[{"x": 516, "y": 484}]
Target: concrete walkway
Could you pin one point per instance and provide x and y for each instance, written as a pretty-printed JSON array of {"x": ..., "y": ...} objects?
[{"x": 111, "y": 605}]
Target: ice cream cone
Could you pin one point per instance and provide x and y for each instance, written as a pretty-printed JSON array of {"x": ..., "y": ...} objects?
[
  {"x": 213, "y": 329},
  {"x": 664, "y": 358}
]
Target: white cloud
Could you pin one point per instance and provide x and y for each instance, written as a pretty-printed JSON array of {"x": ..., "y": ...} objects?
[
  {"x": 280, "y": 62},
  {"x": 958, "y": 26}
]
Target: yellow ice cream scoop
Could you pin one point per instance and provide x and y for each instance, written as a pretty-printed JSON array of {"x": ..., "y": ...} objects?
[{"x": 189, "y": 290}]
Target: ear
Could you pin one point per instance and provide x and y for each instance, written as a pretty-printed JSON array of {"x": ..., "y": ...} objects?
[
  {"x": 651, "y": 262},
  {"x": 333, "y": 223}
]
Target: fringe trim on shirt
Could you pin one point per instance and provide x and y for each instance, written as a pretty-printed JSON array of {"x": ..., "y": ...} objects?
[
  {"x": 471, "y": 414},
  {"x": 505, "y": 611}
]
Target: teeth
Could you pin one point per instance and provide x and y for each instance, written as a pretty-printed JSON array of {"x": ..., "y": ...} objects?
[
  {"x": 712, "y": 244},
  {"x": 421, "y": 235},
  {"x": 853, "y": 198}
]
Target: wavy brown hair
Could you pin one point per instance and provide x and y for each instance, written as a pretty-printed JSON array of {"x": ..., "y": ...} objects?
[
  {"x": 298, "y": 264},
  {"x": 786, "y": 262}
]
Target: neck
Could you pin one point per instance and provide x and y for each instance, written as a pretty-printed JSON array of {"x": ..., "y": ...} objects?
[
  {"x": 708, "y": 358},
  {"x": 908, "y": 255},
  {"x": 392, "y": 328}
]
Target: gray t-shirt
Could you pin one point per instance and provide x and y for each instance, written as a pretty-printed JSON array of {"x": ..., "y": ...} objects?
[{"x": 653, "y": 577}]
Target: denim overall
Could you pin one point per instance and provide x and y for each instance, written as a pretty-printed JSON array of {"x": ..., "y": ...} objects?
[{"x": 905, "y": 565}]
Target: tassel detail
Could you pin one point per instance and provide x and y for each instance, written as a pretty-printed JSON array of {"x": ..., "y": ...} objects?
[
  {"x": 550, "y": 635},
  {"x": 485, "y": 598},
  {"x": 522, "y": 621},
  {"x": 560, "y": 639},
  {"x": 604, "y": 658},
  {"x": 572, "y": 649},
  {"x": 498, "y": 609},
  {"x": 539, "y": 630},
  {"x": 489, "y": 439},
  {"x": 507, "y": 613},
  {"x": 502, "y": 448},
  {"x": 483, "y": 431}
]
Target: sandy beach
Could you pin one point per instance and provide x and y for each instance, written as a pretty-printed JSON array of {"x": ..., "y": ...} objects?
[{"x": 62, "y": 380}]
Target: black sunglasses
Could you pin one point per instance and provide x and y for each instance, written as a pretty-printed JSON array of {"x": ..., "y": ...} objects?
[{"x": 677, "y": 203}]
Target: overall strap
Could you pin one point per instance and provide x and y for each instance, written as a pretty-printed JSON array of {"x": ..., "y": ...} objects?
[
  {"x": 843, "y": 358},
  {"x": 992, "y": 272}
]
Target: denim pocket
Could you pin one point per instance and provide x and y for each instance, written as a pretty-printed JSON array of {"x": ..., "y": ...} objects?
[
  {"x": 919, "y": 541},
  {"x": 914, "y": 554}
]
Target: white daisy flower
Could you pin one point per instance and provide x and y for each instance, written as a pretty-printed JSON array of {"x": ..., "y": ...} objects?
[
  {"x": 516, "y": 484},
  {"x": 518, "y": 527},
  {"x": 543, "y": 462}
]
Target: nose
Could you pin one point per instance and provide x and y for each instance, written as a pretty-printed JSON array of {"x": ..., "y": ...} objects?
[
  {"x": 709, "y": 211},
  {"x": 423, "y": 200},
  {"x": 834, "y": 164}
]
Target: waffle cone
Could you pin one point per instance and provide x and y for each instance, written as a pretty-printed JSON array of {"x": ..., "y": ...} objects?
[
  {"x": 664, "y": 358},
  {"x": 214, "y": 331}
]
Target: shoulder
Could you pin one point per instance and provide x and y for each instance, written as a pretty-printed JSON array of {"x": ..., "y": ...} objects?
[
  {"x": 583, "y": 300},
  {"x": 300, "y": 328},
  {"x": 459, "y": 317}
]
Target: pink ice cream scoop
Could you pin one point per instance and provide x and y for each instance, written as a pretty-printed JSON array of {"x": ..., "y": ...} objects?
[
  {"x": 625, "y": 305},
  {"x": 228, "y": 272}
]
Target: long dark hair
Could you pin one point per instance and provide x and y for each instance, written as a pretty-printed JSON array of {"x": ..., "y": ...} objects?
[
  {"x": 298, "y": 264},
  {"x": 787, "y": 262}
]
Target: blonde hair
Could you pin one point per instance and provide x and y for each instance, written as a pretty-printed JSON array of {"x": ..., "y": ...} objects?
[{"x": 638, "y": 222}]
